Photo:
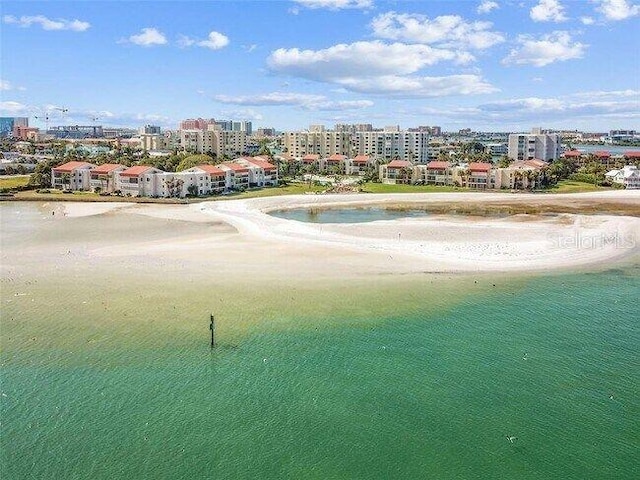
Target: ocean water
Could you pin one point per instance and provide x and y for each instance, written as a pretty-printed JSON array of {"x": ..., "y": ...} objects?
[
  {"x": 347, "y": 215},
  {"x": 100, "y": 380}
]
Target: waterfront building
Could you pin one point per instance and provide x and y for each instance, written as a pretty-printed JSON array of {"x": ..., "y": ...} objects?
[
  {"x": 438, "y": 173},
  {"x": 334, "y": 164},
  {"x": 528, "y": 146},
  {"x": 628, "y": 176},
  {"x": 360, "y": 165},
  {"x": 138, "y": 181},
  {"x": 478, "y": 175},
  {"x": 76, "y": 132},
  {"x": 103, "y": 177},
  {"x": 393, "y": 144},
  {"x": 397, "y": 172},
  {"x": 72, "y": 176}
]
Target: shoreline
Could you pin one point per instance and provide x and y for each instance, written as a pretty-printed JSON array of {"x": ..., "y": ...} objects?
[{"x": 238, "y": 240}]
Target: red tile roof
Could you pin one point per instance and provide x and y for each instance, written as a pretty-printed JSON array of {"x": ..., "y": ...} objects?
[
  {"x": 258, "y": 162},
  {"x": 211, "y": 169},
  {"x": 71, "y": 166},
  {"x": 135, "y": 171},
  {"x": 237, "y": 168},
  {"x": 632, "y": 154},
  {"x": 106, "y": 168},
  {"x": 399, "y": 164},
  {"x": 361, "y": 159},
  {"x": 602, "y": 153},
  {"x": 435, "y": 165},
  {"x": 572, "y": 153},
  {"x": 480, "y": 167},
  {"x": 311, "y": 157},
  {"x": 336, "y": 157}
]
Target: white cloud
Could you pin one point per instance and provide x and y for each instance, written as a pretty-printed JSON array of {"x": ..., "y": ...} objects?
[
  {"x": 148, "y": 37},
  {"x": 446, "y": 30},
  {"x": 246, "y": 113},
  {"x": 13, "y": 108},
  {"x": 486, "y": 6},
  {"x": 379, "y": 68},
  {"x": 340, "y": 105},
  {"x": 609, "y": 94},
  {"x": 417, "y": 86},
  {"x": 215, "y": 41},
  {"x": 563, "y": 107},
  {"x": 47, "y": 23},
  {"x": 302, "y": 100},
  {"x": 553, "y": 47},
  {"x": 274, "y": 98},
  {"x": 184, "y": 41},
  {"x": 618, "y": 9},
  {"x": 334, "y": 4},
  {"x": 6, "y": 85},
  {"x": 548, "y": 11},
  {"x": 587, "y": 20},
  {"x": 360, "y": 59},
  {"x": 250, "y": 48}
]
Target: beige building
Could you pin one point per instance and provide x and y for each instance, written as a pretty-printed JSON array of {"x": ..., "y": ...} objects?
[{"x": 323, "y": 143}]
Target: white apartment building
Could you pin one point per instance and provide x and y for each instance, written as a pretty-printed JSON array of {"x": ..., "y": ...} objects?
[
  {"x": 104, "y": 176},
  {"x": 72, "y": 176},
  {"x": 629, "y": 176},
  {"x": 138, "y": 181},
  {"x": 534, "y": 145}
]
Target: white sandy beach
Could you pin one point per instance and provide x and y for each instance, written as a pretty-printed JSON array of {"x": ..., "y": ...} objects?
[{"x": 263, "y": 243}]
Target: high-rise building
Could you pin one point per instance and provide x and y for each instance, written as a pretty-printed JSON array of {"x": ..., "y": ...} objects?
[
  {"x": 7, "y": 124},
  {"x": 151, "y": 129},
  {"x": 390, "y": 144},
  {"x": 534, "y": 145},
  {"x": 196, "y": 124}
]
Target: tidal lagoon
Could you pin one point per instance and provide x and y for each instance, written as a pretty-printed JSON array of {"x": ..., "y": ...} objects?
[{"x": 107, "y": 371}]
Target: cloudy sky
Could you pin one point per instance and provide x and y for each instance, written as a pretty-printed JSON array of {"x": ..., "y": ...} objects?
[{"x": 484, "y": 64}]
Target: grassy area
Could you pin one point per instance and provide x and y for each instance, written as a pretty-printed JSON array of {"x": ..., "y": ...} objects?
[
  {"x": 13, "y": 181},
  {"x": 572, "y": 186},
  {"x": 371, "y": 187},
  {"x": 291, "y": 189}
]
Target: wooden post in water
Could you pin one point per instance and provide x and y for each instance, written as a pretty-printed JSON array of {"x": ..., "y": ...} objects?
[{"x": 212, "y": 327}]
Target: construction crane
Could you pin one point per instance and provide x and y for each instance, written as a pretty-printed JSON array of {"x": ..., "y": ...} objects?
[{"x": 45, "y": 118}]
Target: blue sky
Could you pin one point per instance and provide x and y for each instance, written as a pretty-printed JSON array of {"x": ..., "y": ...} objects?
[{"x": 482, "y": 64}]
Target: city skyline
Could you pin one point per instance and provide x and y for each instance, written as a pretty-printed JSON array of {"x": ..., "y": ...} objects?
[{"x": 485, "y": 65}]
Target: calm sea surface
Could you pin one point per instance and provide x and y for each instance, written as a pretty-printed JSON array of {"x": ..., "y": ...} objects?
[{"x": 406, "y": 390}]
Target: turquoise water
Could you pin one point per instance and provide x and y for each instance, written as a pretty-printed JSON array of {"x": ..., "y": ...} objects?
[
  {"x": 347, "y": 215},
  {"x": 420, "y": 394}
]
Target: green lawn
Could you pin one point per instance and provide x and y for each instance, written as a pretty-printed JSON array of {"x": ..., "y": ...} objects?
[
  {"x": 571, "y": 186},
  {"x": 291, "y": 189},
  {"x": 14, "y": 181},
  {"x": 371, "y": 187}
]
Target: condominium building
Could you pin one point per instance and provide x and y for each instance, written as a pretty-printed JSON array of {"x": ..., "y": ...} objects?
[
  {"x": 392, "y": 144},
  {"x": 221, "y": 143},
  {"x": 323, "y": 143},
  {"x": 534, "y": 145},
  {"x": 71, "y": 176}
]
